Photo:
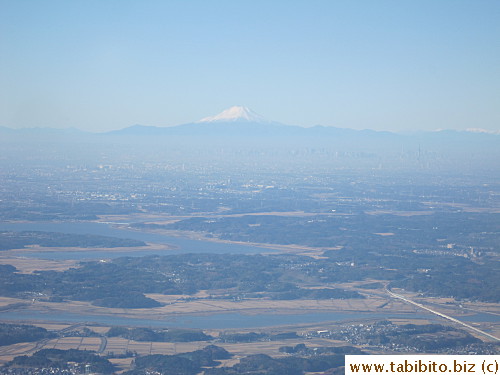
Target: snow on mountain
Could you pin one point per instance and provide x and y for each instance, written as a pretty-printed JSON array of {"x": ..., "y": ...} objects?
[
  {"x": 235, "y": 113},
  {"x": 480, "y": 130}
]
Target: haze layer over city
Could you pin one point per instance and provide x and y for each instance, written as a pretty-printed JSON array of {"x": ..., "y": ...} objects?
[{"x": 249, "y": 188}]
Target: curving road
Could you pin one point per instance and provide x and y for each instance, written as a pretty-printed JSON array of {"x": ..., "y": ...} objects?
[{"x": 104, "y": 343}]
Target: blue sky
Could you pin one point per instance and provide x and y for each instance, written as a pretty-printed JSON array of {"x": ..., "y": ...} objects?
[{"x": 387, "y": 65}]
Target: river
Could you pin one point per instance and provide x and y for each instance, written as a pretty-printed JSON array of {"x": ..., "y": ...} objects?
[
  {"x": 181, "y": 245},
  {"x": 212, "y": 321}
]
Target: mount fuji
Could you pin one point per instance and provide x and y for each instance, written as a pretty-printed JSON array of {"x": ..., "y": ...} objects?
[
  {"x": 233, "y": 122},
  {"x": 236, "y": 113}
]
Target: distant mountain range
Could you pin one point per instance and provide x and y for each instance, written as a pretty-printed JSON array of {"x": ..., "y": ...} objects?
[
  {"x": 239, "y": 135},
  {"x": 242, "y": 121}
]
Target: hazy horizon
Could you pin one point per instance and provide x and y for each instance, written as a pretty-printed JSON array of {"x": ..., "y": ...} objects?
[{"x": 262, "y": 119}]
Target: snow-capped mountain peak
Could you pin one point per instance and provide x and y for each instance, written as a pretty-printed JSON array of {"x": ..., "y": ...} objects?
[{"x": 235, "y": 113}]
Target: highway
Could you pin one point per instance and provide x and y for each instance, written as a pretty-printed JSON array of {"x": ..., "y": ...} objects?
[{"x": 468, "y": 326}]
